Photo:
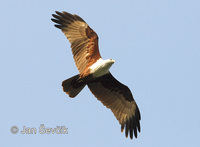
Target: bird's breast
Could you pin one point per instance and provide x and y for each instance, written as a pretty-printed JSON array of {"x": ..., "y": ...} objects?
[{"x": 100, "y": 68}]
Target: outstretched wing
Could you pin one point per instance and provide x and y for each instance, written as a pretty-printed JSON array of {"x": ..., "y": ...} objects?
[
  {"x": 119, "y": 99},
  {"x": 84, "y": 41}
]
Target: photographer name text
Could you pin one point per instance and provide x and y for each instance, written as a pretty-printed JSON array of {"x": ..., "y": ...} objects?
[{"x": 42, "y": 130}]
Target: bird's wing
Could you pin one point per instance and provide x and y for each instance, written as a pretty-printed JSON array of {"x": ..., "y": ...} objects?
[
  {"x": 84, "y": 41},
  {"x": 119, "y": 99}
]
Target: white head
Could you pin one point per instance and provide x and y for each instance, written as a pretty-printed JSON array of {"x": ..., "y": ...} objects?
[{"x": 108, "y": 63}]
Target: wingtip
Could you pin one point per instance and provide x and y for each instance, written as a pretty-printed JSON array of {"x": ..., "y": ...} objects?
[
  {"x": 57, "y": 12},
  {"x": 58, "y": 26},
  {"x": 52, "y": 19},
  {"x": 135, "y": 134},
  {"x": 122, "y": 128},
  {"x": 54, "y": 15}
]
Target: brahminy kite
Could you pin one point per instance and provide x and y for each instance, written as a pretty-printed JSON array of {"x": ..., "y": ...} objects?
[{"x": 94, "y": 72}]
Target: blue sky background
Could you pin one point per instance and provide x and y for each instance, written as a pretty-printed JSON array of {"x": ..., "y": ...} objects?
[{"x": 156, "y": 45}]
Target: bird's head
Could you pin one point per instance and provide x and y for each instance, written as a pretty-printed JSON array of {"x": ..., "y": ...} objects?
[
  {"x": 109, "y": 63},
  {"x": 112, "y": 61}
]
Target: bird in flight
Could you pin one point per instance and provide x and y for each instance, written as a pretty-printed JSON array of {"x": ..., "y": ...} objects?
[{"x": 94, "y": 72}]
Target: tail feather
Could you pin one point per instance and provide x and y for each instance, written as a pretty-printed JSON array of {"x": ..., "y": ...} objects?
[{"x": 73, "y": 86}]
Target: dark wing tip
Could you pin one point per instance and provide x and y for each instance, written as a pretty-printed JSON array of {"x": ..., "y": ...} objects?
[
  {"x": 58, "y": 26},
  {"x": 55, "y": 20},
  {"x": 63, "y": 19},
  {"x": 138, "y": 118},
  {"x": 132, "y": 125},
  {"x": 78, "y": 18},
  {"x": 131, "y": 128},
  {"x": 122, "y": 128},
  {"x": 59, "y": 13},
  {"x": 127, "y": 129}
]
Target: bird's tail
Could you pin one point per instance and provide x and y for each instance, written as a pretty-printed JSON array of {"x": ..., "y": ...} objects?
[{"x": 73, "y": 86}]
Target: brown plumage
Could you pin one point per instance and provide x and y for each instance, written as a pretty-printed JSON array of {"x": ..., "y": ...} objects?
[
  {"x": 94, "y": 72},
  {"x": 119, "y": 99},
  {"x": 84, "y": 41}
]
